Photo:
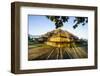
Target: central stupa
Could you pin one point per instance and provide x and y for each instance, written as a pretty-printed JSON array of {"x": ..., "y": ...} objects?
[{"x": 61, "y": 38}]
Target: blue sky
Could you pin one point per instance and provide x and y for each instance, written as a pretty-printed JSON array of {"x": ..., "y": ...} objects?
[{"x": 38, "y": 25}]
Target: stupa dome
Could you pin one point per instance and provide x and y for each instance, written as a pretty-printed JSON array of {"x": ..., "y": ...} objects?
[{"x": 61, "y": 38}]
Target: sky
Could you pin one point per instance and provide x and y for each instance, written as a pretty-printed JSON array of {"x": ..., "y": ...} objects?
[{"x": 38, "y": 25}]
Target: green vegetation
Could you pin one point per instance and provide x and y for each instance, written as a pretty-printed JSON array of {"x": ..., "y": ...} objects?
[
  {"x": 60, "y": 20},
  {"x": 38, "y": 45}
]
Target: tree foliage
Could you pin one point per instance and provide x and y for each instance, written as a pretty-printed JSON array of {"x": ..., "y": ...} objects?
[
  {"x": 30, "y": 39},
  {"x": 80, "y": 20},
  {"x": 60, "y": 20}
]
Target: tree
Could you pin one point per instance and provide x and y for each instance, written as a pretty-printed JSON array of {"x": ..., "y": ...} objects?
[
  {"x": 60, "y": 20},
  {"x": 30, "y": 39}
]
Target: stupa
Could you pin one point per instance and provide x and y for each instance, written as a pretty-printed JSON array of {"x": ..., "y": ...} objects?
[{"x": 61, "y": 38}]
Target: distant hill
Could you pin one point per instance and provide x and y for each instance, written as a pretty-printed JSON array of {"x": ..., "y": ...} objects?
[{"x": 34, "y": 36}]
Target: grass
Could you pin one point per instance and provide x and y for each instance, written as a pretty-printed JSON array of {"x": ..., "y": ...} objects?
[{"x": 37, "y": 45}]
